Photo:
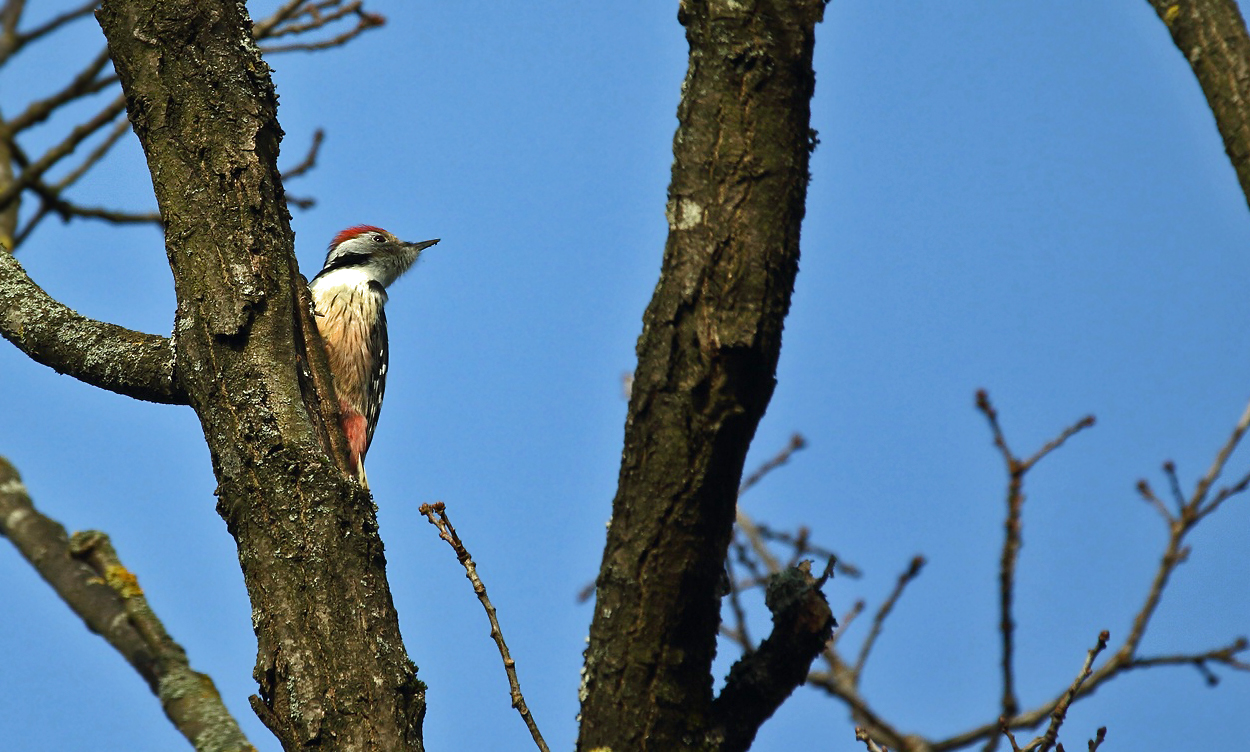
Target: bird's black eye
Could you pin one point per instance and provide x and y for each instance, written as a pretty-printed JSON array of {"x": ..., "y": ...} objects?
[{"x": 379, "y": 238}]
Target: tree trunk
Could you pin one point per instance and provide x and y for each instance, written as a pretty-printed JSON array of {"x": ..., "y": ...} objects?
[
  {"x": 707, "y": 359},
  {"x": 332, "y": 668}
]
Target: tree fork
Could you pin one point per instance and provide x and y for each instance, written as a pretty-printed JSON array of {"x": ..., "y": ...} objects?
[
  {"x": 331, "y": 665},
  {"x": 707, "y": 360}
]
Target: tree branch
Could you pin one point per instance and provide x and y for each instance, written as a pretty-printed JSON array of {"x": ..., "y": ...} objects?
[
  {"x": 878, "y": 620},
  {"x": 105, "y": 355},
  {"x": 80, "y": 86},
  {"x": 437, "y": 515},
  {"x": 1012, "y": 541},
  {"x": 67, "y": 146},
  {"x": 1212, "y": 36},
  {"x": 707, "y": 360},
  {"x": 86, "y": 573},
  {"x": 761, "y": 680}
]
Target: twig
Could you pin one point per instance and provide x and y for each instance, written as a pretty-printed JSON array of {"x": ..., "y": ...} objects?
[
  {"x": 190, "y": 698},
  {"x": 1005, "y": 730},
  {"x": 768, "y": 534},
  {"x": 847, "y": 619},
  {"x": 437, "y": 515},
  {"x": 797, "y": 442},
  {"x": 57, "y": 22},
  {"x": 1047, "y": 740},
  {"x": 364, "y": 22},
  {"x": 120, "y": 128},
  {"x": 1174, "y": 482},
  {"x": 1148, "y": 494},
  {"x": 263, "y": 29},
  {"x": 837, "y": 683},
  {"x": 61, "y": 150},
  {"x": 1197, "y": 507},
  {"x": 747, "y": 525},
  {"x": 1226, "y": 655},
  {"x": 752, "y": 533},
  {"x": 310, "y": 159},
  {"x": 1013, "y": 540},
  {"x": 878, "y": 620},
  {"x": 83, "y": 84},
  {"x": 1221, "y": 458},
  {"x": 52, "y": 200}
]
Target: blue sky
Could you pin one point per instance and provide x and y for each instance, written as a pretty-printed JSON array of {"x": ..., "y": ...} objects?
[{"x": 1026, "y": 197}]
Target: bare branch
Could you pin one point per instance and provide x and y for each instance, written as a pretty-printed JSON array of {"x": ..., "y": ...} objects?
[
  {"x": 1114, "y": 666},
  {"x": 801, "y": 542},
  {"x": 836, "y": 682},
  {"x": 1221, "y": 457},
  {"x": 847, "y": 620},
  {"x": 190, "y": 698},
  {"x": 749, "y": 530},
  {"x": 83, "y": 84},
  {"x": 797, "y": 442},
  {"x": 57, "y": 22},
  {"x": 120, "y": 129},
  {"x": 1226, "y": 656},
  {"x": 878, "y": 621},
  {"x": 319, "y": 19},
  {"x": 760, "y": 681},
  {"x": 1174, "y": 483},
  {"x": 310, "y": 159},
  {"x": 437, "y": 515},
  {"x": 263, "y": 29},
  {"x": 1047, "y": 740},
  {"x": 86, "y": 573},
  {"x": 101, "y": 354},
  {"x": 10, "y": 16},
  {"x": 79, "y": 134},
  {"x": 1148, "y": 494},
  {"x": 1013, "y": 540}
]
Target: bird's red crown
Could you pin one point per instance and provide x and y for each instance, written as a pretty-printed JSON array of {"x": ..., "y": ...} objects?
[{"x": 353, "y": 232}]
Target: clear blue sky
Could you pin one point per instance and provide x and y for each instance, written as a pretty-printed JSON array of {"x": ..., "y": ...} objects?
[{"x": 1026, "y": 197}]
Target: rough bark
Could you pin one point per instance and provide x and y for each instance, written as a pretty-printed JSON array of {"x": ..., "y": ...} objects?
[
  {"x": 1211, "y": 34},
  {"x": 761, "y": 680},
  {"x": 331, "y": 666},
  {"x": 707, "y": 360}
]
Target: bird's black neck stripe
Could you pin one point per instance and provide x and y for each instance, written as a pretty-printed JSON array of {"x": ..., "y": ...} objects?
[{"x": 343, "y": 262}]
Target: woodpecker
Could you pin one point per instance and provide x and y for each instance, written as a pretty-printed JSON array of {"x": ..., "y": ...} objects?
[{"x": 349, "y": 298}]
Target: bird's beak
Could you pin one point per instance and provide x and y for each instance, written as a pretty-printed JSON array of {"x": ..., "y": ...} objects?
[{"x": 421, "y": 246}]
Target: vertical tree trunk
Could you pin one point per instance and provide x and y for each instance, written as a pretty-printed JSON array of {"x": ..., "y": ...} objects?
[
  {"x": 332, "y": 669},
  {"x": 707, "y": 359}
]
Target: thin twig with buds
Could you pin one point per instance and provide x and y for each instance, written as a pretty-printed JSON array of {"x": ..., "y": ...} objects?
[
  {"x": 1016, "y": 470},
  {"x": 436, "y": 513},
  {"x": 1047, "y": 740}
]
